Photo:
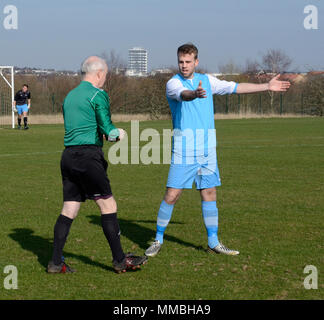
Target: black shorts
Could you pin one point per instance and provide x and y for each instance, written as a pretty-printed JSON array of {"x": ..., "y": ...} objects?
[{"x": 84, "y": 174}]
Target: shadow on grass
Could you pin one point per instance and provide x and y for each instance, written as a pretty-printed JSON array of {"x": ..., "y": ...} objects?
[
  {"x": 43, "y": 248},
  {"x": 139, "y": 234}
]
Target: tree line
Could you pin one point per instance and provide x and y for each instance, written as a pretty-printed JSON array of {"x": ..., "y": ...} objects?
[{"x": 130, "y": 95}]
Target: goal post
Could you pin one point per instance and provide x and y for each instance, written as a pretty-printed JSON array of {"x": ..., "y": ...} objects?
[{"x": 7, "y": 94}]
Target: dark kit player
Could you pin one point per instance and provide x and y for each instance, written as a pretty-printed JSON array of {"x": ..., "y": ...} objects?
[
  {"x": 22, "y": 104},
  {"x": 87, "y": 119}
]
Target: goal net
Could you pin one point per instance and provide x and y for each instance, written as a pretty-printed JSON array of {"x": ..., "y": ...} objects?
[{"x": 7, "y": 115}]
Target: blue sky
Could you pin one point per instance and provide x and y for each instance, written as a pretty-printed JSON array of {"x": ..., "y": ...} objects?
[{"x": 60, "y": 34}]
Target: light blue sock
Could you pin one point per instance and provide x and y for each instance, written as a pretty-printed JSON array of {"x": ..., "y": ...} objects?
[
  {"x": 163, "y": 219},
  {"x": 210, "y": 216}
]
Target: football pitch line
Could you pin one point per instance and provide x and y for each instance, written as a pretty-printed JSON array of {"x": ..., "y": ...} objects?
[
  {"x": 223, "y": 145},
  {"x": 273, "y": 146},
  {"x": 4, "y": 155}
]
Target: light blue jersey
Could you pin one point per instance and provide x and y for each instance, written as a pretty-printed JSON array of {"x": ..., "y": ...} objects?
[
  {"x": 192, "y": 120},
  {"x": 194, "y": 141}
]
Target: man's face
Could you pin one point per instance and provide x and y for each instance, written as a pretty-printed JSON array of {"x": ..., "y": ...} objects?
[
  {"x": 24, "y": 89},
  {"x": 102, "y": 75},
  {"x": 187, "y": 64}
]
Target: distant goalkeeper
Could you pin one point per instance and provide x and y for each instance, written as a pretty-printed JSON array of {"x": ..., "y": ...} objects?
[{"x": 21, "y": 103}]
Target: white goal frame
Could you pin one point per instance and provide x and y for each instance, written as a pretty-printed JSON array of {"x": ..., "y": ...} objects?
[{"x": 11, "y": 84}]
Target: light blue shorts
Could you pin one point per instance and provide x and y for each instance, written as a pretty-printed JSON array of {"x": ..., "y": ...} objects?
[
  {"x": 21, "y": 109},
  {"x": 201, "y": 170}
]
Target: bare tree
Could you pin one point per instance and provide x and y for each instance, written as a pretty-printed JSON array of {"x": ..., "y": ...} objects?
[
  {"x": 276, "y": 61},
  {"x": 252, "y": 67},
  {"x": 115, "y": 77},
  {"x": 229, "y": 68},
  {"x": 114, "y": 61}
]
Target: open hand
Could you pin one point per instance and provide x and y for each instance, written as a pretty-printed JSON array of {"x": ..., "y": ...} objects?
[{"x": 277, "y": 85}]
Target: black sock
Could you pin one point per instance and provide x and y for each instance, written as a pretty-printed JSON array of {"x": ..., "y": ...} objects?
[
  {"x": 111, "y": 230},
  {"x": 25, "y": 121},
  {"x": 19, "y": 121},
  {"x": 61, "y": 231}
]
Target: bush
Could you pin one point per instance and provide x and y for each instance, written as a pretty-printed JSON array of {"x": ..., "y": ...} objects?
[{"x": 147, "y": 95}]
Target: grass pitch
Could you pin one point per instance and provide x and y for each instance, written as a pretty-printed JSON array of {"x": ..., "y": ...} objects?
[{"x": 271, "y": 207}]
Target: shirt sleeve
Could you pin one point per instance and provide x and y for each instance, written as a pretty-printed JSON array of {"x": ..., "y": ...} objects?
[
  {"x": 221, "y": 87},
  {"x": 28, "y": 95},
  {"x": 174, "y": 88},
  {"x": 101, "y": 106}
]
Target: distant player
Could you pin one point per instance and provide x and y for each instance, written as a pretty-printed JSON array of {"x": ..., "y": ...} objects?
[
  {"x": 190, "y": 97},
  {"x": 87, "y": 119},
  {"x": 22, "y": 104}
]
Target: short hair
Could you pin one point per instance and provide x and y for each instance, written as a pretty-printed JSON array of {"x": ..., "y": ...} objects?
[
  {"x": 92, "y": 64},
  {"x": 25, "y": 85},
  {"x": 188, "y": 48}
]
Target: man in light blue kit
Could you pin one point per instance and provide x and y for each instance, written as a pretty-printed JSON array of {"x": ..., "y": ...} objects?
[{"x": 190, "y": 97}]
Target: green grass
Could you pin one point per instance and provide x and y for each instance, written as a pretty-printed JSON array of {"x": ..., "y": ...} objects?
[{"x": 270, "y": 208}]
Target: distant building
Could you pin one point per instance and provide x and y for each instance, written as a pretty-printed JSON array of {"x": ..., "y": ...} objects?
[
  {"x": 216, "y": 74},
  {"x": 161, "y": 71},
  {"x": 43, "y": 72},
  {"x": 119, "y": 71},
  {"x": 293, "y": 77},
  {"x": 287, "y": 76},
  {"x": 315, "y": 73},
  {"x": 137, "y": 62}
]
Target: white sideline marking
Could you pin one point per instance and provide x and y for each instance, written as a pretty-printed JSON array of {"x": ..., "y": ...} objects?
[
  {"x": 27, "y": 154},
  {"x": 4, "y": 155},
  {"x": 272, "y": 145}
]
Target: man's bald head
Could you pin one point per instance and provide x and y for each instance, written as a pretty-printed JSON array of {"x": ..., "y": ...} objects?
[
  {"x": 94, "y": 70},
  {"x": 93, "y": 64}
]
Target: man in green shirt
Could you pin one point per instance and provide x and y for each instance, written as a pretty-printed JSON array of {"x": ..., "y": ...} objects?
[{"x": 87, "y": 120}]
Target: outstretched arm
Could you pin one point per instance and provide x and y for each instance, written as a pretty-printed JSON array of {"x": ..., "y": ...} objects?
[
  {"x": 188, "y": 95},
  {"x": 273, "y": 85}
]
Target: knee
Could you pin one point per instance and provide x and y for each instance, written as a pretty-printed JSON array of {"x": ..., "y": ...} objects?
[
  {"x": 107, "y": 205},
  {"x": 113, "y": 207},
  {"x": 208, "y": 194},
  {"x": 70, "y": 209},
  {"x": 171, "y": 197}
]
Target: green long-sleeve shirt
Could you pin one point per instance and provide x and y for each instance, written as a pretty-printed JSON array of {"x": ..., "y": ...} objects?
[{"x": 86, "y": 112}]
